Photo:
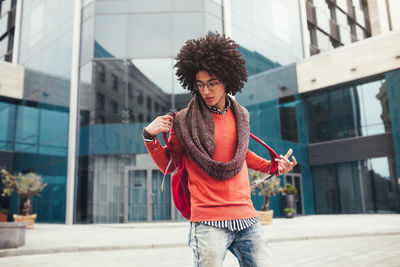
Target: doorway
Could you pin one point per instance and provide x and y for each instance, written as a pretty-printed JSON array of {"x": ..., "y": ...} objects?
[
  {"x": 295, "y": 179},
  {"x": 143, "y": 201}
]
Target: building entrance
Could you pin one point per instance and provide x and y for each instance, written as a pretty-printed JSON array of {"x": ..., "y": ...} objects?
[
  {"x": 142, "y": 198},
  {"x": 295, "y": 179}
]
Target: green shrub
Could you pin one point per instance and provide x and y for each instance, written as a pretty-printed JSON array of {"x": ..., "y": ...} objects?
[{"x": 288, "y": 210}]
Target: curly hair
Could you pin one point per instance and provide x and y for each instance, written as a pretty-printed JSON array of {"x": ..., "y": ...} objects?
[{"x": 217, "y": 55}]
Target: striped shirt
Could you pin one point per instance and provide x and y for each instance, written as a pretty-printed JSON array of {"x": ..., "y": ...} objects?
[{"x": 233, "y": 225}]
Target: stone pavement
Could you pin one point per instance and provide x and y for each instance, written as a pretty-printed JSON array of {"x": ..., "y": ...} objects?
[{"x": 317, "y": 240}]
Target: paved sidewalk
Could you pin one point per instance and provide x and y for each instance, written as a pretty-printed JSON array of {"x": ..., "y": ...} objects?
[{"x": 53, "y": 238}]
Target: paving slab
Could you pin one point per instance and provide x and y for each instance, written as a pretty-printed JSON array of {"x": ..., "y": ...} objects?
[{"x": 58, "y": 238}]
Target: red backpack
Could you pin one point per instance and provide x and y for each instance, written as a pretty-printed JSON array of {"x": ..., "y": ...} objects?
[{"x": 179, "y": 180}]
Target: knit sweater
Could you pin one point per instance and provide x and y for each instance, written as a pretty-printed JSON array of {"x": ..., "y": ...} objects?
[{"x": 212, "y": 199}]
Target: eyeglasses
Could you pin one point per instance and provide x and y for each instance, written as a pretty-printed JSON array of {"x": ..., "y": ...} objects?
[{"x": 211, "y": 85}]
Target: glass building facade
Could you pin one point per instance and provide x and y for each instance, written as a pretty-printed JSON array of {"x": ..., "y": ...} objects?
[
  {"x": 35, "y": 136},
  {"x": 365, "y": 108},
  {"x": 126, "y": 79}
]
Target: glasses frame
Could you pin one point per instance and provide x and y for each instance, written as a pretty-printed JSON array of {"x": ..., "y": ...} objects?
[{"x": 208, "y": 84}]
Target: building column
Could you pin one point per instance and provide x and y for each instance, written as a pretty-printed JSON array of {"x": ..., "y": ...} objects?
[
  {"x": 17, "y": 32},
  {"x": 227, "y": 17},
  {"x": 73, "y": 116}
]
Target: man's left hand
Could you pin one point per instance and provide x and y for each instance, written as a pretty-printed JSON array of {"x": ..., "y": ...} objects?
[{"x": 284, "y": 164}]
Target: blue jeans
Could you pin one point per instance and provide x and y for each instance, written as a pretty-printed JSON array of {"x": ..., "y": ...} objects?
[{"x": 210, "y": 245}]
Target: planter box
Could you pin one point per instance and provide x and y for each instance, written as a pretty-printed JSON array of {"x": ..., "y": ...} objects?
[
  {"x": 266, "y": 216},
  {"x": 3, "y": 217},
  {"x": 30, "y": 219},
  {"x": 12, "y": 234}
]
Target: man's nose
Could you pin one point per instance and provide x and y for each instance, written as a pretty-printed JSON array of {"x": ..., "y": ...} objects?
[{"x": 206, "y": 90}]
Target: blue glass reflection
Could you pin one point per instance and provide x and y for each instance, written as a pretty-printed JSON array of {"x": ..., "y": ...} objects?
[
  {"x": 393, "y": 96},
  {"x": 349, "y": 111},
  {"x": 41, "y": 146},
  {"x": 7, "y": 120}
]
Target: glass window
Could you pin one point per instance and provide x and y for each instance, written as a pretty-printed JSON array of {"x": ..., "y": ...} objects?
[
  {"x": 313, "y": 34},
  {"x": 110, "y": 36},
  {"x": 141, "y": 44},
  {"x": 187, "y": 5},
  {"x": 105, "y": 90},
  {"x": 88, "y": 11},
  {"x": 86, "y": 101},
  {"x": 158, "y": 72},
  {"x": 114, "y": 106},
  {"x": 7, "y": 120},
  {"x": 27, "y": 127},
  {"x": 375, "y": 116},
  {"x": 3, "y": 24},
  {"x": 100, "y": 102},
  {"x": 85, "y": 2},
  {"x": 353, "y": 187},
  {"x": 149, "y": 104},
  {"x": 149, "y": 6},
  {"x": 51, "y": 131},
  {"x": 349, "y": 111},
  {"x": 3, "y": 46},
  {"x": 187, "y": 26},
  {"x": 87, "y": 41},
  {"x": 130, "y": 91},
  {"x": 101, "y": 72},
  {"x": 114, "y": 82},
  {"x": 323, "y": 41},
  {"x": 288, "y": 120},
  {"x": 332, "y": 11},
  {"x": 111, "y": 6},
  {"x": 352, "y": 27},
  {"x": 214, "y": 8},
  {"x": 326, "y": 195},
  {"x": 214, "y": 24}
]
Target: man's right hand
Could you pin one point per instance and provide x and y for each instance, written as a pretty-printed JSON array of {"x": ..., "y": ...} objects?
[{"x": 160, "y": 124}]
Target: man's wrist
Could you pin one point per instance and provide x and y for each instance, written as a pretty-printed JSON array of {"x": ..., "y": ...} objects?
[{"x": 147, "y": 136}]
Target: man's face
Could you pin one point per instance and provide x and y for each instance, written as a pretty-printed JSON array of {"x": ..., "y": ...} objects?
[{"x": 211, "y": 89}]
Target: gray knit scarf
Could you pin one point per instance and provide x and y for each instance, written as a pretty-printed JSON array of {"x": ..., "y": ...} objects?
[{"x": 194, "y": 127}]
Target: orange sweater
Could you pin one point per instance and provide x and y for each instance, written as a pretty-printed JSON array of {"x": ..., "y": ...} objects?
[{"x": 212, "y": 199}]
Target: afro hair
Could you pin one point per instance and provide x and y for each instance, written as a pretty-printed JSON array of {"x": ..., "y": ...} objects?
[{"x": 218, "y": 55}]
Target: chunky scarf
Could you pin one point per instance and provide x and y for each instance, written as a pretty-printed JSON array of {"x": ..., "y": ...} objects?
[{"x": 194, "y": 127}]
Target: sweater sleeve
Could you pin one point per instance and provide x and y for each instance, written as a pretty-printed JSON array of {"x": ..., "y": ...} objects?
[
  {"x": 257, "y": 163},
  {"x": 160, "y": 154}
]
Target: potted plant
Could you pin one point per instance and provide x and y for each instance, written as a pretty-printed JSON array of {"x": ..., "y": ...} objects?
[
  {"x": 289, "y": 212},
  {"x": 26, "y": 186},
  {"x": 268, "y": 189},
  {"x": 3, "y": 215},
  {"x": 290, "y": 193}
]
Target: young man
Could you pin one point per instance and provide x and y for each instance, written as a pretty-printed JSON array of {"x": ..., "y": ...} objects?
[{"x": 212, "y": 134}]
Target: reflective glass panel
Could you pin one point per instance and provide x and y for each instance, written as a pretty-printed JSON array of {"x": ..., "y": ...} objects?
[
  {"x": 7, "y": 120},
  {"x": 186, "y": 26},
  {"x": 149, "y": 6},
  {"x": 110, "y": 36},
  {"x": 187, "y": 5},
  {"x": 161, "y": 204},
  {"x": 159, "y": 71},
  {"x": 87, "y": 41},
  {"x": 353, "y": 187},
  {"x": 149, "y": 35},
  {"x": 149, "y": 88},
  {"x": 109, "y": 85},
  {"x": 111, "y": 6},
  {"x": 350, "y": 111}
]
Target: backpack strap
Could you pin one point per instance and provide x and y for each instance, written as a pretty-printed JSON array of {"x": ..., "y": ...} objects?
[
  {"x": 165, "y": 136},
  {"x": 273, "y": 166}
]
